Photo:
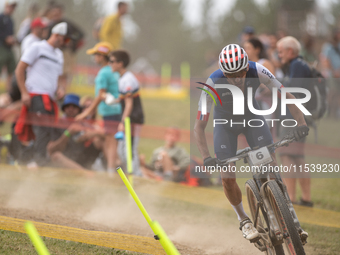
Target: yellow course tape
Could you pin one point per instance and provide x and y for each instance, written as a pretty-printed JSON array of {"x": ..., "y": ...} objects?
[{"x": 107, "y": 239}]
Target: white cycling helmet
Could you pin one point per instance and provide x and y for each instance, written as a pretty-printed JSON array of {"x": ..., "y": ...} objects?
[{"x": 232, "y": 59}]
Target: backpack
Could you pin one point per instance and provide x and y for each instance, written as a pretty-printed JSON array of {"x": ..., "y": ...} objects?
[{"x": 317, "y": 105}]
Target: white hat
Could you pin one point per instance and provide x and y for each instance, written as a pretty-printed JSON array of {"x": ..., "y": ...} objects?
[
  {"x": 11, "y": 2},
  {"x": 60, "y": 29}
]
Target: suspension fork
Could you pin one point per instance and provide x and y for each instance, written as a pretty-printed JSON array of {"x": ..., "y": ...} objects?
[
  {"x": 288, "y": 201},
  {"x": 261, "y": 180},
  {"x": 271, "y": 216}
]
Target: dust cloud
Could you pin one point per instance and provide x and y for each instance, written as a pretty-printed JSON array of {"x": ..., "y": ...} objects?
[{"x": 104, "y": 204}]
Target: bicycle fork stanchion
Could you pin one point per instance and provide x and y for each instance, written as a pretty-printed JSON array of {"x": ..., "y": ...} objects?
[
  {"x": 258, "y": 205},
  {"x": 289, "y": 202},
  {"x": 36, "y": 239},
  {"x": 160, "y": 234},
  {"x": 128, "y": 148},
  {"x": 270, "y": 213}
]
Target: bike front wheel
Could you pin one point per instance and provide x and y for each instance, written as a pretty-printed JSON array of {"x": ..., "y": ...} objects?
[
  {"x": 291, "y": 236},
  {"x": 264, "y": 244}
]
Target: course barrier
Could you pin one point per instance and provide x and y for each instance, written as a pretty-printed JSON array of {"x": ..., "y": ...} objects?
[
  {"x": 152, "y": 132},
  {"x": 36, "y": 240},
  {"x": 160, "y": 234}
]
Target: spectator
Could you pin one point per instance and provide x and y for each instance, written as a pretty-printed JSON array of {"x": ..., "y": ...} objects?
[
  {"x": 247, "y": 33},
  {"x": 111, "y": 29},
  {"x": 289, "y": 48},
  {"x": 14, "y": 95},
  {"x": 131, "y": 104},
  {"x": 38, "y": 90},
  {"x": 256, "y": 53},
  {"x": 86, "y": 102},
  {"x": 273, "y": 56},
  {"x": 75, "y": 39},
  {"x": 307, "y": 51},
  {"x": 106, "y": 82},
  {"x": 96, "y": 28},
  {"x": 169, "y": 162},
  {"x": 37, "y": 33},
  {"x": 25, "y": 25},
  {"x": 76, "y": 146},
  {"x": 53, "y": 12},
  {"x": 331, "y": 56},
  {"x": 7, "y": 41}
]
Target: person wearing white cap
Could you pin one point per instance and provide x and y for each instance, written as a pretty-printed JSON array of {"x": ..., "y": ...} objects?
[
  {"x": 43, "y": 64},
  {"x": 7, "y": 40}
]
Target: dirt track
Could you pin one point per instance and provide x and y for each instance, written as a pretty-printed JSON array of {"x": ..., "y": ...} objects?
[{"x": 99, "y": 203}]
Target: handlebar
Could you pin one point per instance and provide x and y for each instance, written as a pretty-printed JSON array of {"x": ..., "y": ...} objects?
[{"x": 241, "y": 154}]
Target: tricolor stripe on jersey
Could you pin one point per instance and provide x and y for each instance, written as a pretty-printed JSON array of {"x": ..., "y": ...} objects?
[{"x": 200, "y": 116}]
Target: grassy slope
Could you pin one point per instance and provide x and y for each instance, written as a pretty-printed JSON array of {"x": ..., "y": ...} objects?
[{"x": 19, "y": 243}]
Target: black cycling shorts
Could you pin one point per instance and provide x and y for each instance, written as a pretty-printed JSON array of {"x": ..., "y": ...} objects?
[{"x": 225, "y": 138}]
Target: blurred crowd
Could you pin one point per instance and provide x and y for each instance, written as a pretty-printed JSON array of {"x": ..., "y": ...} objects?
[
  {"x": 262, "y": 48},
  {"x": 76, "y": 138},
  {"x": 36, "y": 85}
]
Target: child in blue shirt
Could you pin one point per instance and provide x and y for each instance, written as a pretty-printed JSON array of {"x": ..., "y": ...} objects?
[{"x": 106, "y": 82}]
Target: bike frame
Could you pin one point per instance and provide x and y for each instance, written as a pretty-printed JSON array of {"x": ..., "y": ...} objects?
[{"x": 261, "y": 179}]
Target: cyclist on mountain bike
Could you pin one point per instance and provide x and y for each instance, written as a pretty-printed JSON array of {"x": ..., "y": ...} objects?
[{"x": 235, "y": 69}]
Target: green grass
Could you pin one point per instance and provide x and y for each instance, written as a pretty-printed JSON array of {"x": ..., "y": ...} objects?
[
  {"x": 167, "y": 113},
  {"x": 19, "y": 243},
  {"x": 322, "y": 240},
  {"x": 327, "y": 130}
]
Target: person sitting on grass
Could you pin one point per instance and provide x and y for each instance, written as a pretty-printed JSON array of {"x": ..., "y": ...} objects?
[
  {"x": 106, "y": 82},
  {"x": 77, "y": 147},
  {"x": 169, "y": 162}
]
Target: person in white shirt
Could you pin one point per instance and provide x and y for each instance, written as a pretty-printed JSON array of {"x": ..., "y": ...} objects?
[
  {"x": 42, "y": 63},
  {"x": 12, "y": 97}
]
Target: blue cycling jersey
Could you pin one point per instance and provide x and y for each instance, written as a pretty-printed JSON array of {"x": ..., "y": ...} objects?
[
  {"x": 256, "y": 75},
  {"x": 225, "y": 136}
]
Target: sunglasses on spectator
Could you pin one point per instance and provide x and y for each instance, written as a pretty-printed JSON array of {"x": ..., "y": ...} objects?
[{"x": 113, "y": 61}]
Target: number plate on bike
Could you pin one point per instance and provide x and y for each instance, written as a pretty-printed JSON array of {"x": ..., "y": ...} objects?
[{"x": 260, "y": 157}]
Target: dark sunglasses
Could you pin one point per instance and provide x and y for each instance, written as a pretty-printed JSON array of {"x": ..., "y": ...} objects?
[
  {"x": 235, "y": 75},
  {"x": 113, "y": 61}
]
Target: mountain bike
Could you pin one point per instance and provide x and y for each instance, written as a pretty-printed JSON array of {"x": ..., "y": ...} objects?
[{"x": 271, "y": 209}]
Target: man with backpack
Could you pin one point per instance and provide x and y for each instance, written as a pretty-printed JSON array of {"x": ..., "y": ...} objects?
[{"x": 297, "y": 74}]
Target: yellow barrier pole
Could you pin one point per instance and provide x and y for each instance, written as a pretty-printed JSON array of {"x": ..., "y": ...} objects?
[
  {"x": 36, "y": 239},
  {"x": 134, "y": 195},
  {"x": 160, "y": 234},
  {"x": 185, "y": 73},
  {"x": 128, "y": 148},
  {"x": 165, "y": 74},
  {"x": 166, "y": 243}
]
